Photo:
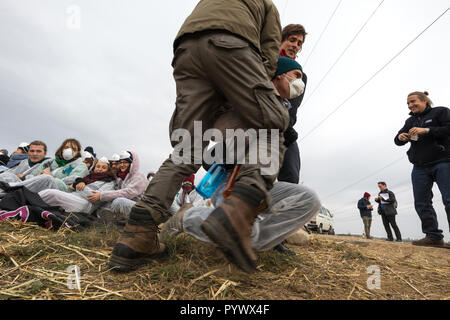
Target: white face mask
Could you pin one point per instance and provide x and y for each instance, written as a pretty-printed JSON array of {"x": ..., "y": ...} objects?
[
  {"x": 296, "y": 87},
  {"x": 68, "y": 154}
]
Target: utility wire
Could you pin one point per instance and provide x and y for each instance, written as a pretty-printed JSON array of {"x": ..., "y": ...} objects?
[
  {"x": 366, "y": 177},
  {"x": 325, "y": 29},
  {"x": 342, "y": 54},
  {"x": 285, "y": 7},
  {"x": 373, "y": 76}
]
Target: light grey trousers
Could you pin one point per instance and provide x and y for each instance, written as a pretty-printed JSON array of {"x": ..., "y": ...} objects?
[
  {"x": 37, "y": 183},
  {"x": 9, "y": 177},
  {"x": 293, "y": 206},
  {"x": 121, "y": 206}
]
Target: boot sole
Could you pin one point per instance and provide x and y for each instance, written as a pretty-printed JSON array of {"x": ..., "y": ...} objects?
[
  {"x": 228, "y": 242},
  {"x": 120, "y": 264},
  {"x": 430, "y": 245}
]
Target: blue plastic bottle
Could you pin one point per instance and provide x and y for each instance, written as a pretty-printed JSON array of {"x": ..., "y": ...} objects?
[{"x": 211, "y": 181}]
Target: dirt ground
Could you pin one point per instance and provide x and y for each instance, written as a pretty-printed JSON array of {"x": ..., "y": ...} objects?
[{"x": 34, "y": 263}]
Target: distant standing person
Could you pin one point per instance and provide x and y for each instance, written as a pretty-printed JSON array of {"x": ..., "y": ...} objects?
[
  {"x": 428, "y": 131},
  {"x": 365, "y": 209},
  {"x": 387, "y": 210}
]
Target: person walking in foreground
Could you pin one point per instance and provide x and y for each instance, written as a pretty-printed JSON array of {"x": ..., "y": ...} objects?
[
  {"x": 225, "y": 52},
  {"x": 365, "y": 209},
  {"x": 428, "y": 132},
  {"x": 388, "y": 210}
]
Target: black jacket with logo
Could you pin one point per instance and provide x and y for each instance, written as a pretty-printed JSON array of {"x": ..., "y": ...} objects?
[{"x": 431, "y": 148}]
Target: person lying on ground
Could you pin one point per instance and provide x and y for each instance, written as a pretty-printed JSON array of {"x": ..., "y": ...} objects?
[{"x": 293, "y": 206}]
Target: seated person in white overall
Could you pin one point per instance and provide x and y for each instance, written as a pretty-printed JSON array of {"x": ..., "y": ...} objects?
[
  {"x": 62, "y": 172},
  {"x": 83, "y": 199}
]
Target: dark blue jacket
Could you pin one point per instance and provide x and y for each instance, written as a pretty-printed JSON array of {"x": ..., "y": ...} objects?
[
  {"x": 291, "y": 135},
  {"x": 362, "y": 206},
  {"x": 431, "y": 148}
]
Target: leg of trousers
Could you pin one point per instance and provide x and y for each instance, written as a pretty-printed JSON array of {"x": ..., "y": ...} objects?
[
  {"x": 290, "y": 169},
  {"x": 211, "y": 70},
  {"x": 293, "y": 206},
  {"x": 393, "y": 223},
  {"x": 37, "y": 183},
  {"x": 387, "y": 226},
  {"x": 442, "y": 176},
  {"x": 367, "y": 223},
  {"x": 422, "y": 181},
  {"x": 70, "y": 202}
]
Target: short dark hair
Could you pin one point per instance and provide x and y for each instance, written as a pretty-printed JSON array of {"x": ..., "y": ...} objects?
[
  {"x": 292, "y": 29},
  {"x": 38, "y": 143},
  {"x": 383, "y": 183}
]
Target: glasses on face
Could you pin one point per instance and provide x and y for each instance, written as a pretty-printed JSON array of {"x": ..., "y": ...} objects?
[{"x": 123, "y": 162}]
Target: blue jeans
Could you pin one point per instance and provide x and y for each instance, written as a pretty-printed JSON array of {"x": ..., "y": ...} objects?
[{"x": 422, "y": 180}]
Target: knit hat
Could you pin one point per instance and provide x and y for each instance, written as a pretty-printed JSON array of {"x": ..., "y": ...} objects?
[
  {"x": 188, "y": 183},
  {"x": 24, "y": 146},
  {"x": 127, "y": 156},
  {"x": 114, "y": 157},
  {"x": 366, "y": 195},
  {"x": 285, "y": 65}
]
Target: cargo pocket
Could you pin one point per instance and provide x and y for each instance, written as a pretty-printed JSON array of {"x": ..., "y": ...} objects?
[
  {"x": 274, "y": 113},
  {"x": 228, "y": 42}
]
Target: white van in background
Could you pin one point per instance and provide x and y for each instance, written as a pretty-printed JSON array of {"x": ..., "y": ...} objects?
[{"x": 322, "y": 222}]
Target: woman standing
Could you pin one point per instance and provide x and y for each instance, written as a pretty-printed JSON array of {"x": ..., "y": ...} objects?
[{"x": 428, "y": 132}]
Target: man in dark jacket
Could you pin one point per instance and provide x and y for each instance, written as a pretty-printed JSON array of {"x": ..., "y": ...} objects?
[
  {"x": 225, "y": 52},
  {"x": 365, "y": 209},
  {"x": 293, "y": 37},
  {"x": 388, "y": 210},
  {"x": 428, "y": 131}
]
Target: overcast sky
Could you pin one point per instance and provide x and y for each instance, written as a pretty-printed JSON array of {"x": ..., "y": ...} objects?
[{"x": 100, "y": 71}]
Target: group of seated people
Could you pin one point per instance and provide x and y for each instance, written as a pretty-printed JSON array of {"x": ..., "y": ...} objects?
[
  {"x": 75, "y": 180},
  {"x": 78, "y": 181}
]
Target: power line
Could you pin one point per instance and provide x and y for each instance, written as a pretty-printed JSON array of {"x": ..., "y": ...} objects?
[
  {"x": 285, "y": 7},
  {"x": 373, "y": 76},
  {"x": 342, "y": 54},
  {"x": 366, "y": 177},
  {"x": 326, "y": 27}
]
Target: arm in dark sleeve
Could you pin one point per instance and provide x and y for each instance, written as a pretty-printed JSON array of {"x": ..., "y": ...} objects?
[
  {"x": 405, "y": 129},
  {"x": 443, "y": 131},
  {"x": 361, "y": 204},
  {"x": 77, "y": 181}
]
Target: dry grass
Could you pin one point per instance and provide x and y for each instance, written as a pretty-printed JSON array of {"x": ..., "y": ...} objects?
[{"x": 33, "y": 264}]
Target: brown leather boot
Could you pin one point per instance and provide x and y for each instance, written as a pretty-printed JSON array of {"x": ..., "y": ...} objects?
[
  {"x": 230, "y": 226},
  {"x": 428, "y": 242},
  {"x": 138, "y": 243}
]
